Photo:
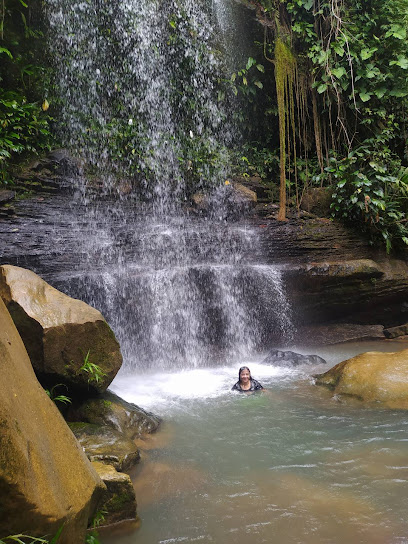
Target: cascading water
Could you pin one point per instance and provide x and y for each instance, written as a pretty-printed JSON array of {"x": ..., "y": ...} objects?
[{"x": 140, "y": 84}]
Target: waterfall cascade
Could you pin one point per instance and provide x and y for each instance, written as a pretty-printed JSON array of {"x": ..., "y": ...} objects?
[{"x": 140, "y": 83}]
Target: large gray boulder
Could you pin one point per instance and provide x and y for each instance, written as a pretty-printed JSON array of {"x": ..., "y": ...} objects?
[
  {"x": 46, "y": 481},
  {"x": 64, "y": 337}
]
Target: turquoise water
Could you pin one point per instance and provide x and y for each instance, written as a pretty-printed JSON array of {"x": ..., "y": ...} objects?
[{"x": 292, "y": 465}]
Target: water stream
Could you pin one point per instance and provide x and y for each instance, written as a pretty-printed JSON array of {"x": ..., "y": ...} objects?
[{"x": 292, "y": 465}]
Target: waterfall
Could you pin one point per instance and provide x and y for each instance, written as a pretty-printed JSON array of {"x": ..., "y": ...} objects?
[{"x": 142, "y": 91}]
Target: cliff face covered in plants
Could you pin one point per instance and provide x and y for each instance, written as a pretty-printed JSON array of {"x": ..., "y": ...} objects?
[{"x": 321, "y": 101}]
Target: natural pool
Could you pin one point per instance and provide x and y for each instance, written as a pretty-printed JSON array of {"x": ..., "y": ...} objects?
[{"x": 289, "y": 466}]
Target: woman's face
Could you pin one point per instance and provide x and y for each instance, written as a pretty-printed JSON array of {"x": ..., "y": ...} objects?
[{"x": 245, "y": 376}]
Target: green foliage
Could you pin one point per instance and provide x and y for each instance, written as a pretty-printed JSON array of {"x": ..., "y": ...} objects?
[
  {"x": 246, "y": 80},
  {"x": 94, "y": 371},
  {"x": 358, "y": 53},
  {"x": 23, "y": 539},
  {"x": 24, "y": 123},
  {"x": 350, "y": 98},
  {"x": 63, "y": 399},
  {"x": 371, "y": 190},
  {"x": 255, "y": 159},
  {"x": 23, "y": 128},
  {"x": 92, "y": 538},
  {"x": 27, "y": 539}
]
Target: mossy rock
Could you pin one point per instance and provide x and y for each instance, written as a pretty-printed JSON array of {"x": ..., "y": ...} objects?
[
  {"x": 119, "y": 503},
  {"x": 102, "y": 443},
  {"x": 110, "y": 410}
]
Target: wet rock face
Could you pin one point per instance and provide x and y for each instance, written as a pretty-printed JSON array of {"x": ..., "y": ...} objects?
[
  {"x": 110, "y": 410},
  {"x": 64, "y": 337},
  {"x": 289, "y": 358},
  {"x": 361, "y": 291},
  {"x": 371, "y": 377},
  {"x": 46, "y": 480},
  {"x": 323, "y": 335},
  {"x": 331, "y": 273},
  {"x": 102, "y": 443}
]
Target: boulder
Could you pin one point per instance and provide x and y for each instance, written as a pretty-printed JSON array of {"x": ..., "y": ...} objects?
[
  {"x": 371, "y": 377},
  {"x": 119, "y": 502},
  {"x": 64, "y": 337},
  {"x": 200, "y": 201},
  {"x": 317, "y": 200},
  {"x": 102, "y": 443},
  {"x": 245, "y": 194},
  {"x": 6, "y": 196},
  {"x": 110, "y": 410},
  {"x": 289, "y": 358},
  {"x": 228, "y": 201},
  {"x": 46, "y": 481}
]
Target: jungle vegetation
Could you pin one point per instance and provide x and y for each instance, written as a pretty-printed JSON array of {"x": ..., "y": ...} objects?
[
  {"x": 323, "y": 104},
  {"x": 336, "y": 72}
]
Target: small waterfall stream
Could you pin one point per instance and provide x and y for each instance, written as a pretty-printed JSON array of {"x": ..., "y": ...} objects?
[{"x": 141, "y": 83}]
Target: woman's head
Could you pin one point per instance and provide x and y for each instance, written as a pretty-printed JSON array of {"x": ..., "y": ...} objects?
[{"x": 244, "y": 374}]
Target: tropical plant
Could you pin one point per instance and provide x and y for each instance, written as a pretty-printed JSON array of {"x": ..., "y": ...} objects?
[
  {"x": 24, "y": 121},
  {"x": 340, "y": 73},
  {"x": 22, "y": 538},
  {"x": 94, "y": 371},
  {"x": 63, "y": 399},
  {"x": 373, "y": 193}
]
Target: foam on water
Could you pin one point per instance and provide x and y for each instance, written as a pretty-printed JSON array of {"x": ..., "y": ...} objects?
[{"x": 164, "y": 392}]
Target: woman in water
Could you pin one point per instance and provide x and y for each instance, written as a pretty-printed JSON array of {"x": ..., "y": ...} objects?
[{"x": 245, "y": 382}]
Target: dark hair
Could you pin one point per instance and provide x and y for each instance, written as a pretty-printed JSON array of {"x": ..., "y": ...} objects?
[{"x": 241, "y": 369}]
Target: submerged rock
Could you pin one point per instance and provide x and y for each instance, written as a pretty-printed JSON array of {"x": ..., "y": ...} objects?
[
  {"x": 64, "y": 337},
  {"x": 290, "y": 358},
  {"x": 119, "y": 502},
  {"x": 46, "y": 481},
  {"x": 110, "y": 410},
  {"x": 102, "y": 443},
  {"x": 371, "y": 377}
]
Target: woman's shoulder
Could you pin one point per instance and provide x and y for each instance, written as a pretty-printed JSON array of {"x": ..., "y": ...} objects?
[
  {"x": 256, "y": 384},
  {"x": 236, "y": 387}
]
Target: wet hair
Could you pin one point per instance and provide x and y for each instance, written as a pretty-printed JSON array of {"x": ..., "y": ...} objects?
[{"x": 241, "y": 369}]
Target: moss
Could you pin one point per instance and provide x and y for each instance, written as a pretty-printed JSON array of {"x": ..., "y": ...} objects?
[
  {"x": 285, "y": 76},
  {"x": 119, "y": 501},
  {"x": 77, "y": 426}
]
